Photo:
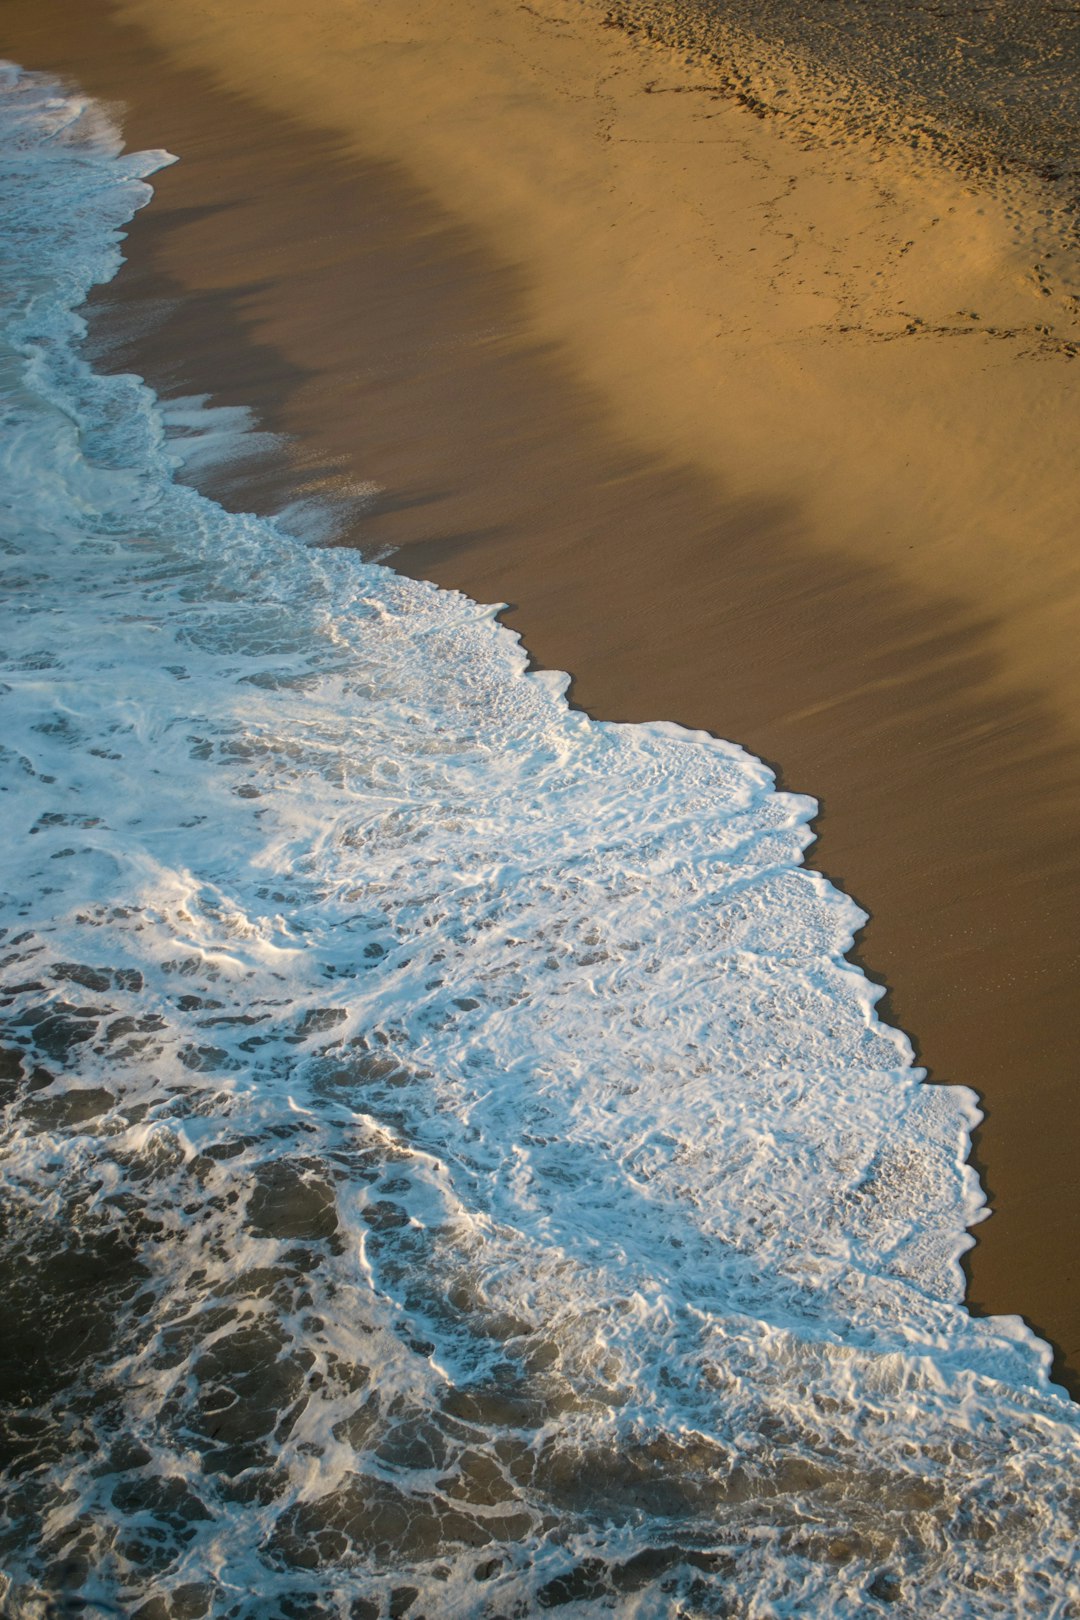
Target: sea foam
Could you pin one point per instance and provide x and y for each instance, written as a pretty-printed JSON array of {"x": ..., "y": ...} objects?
[{"x": 449, "y": 1165}]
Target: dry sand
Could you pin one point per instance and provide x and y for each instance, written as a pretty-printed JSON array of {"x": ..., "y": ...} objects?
[{"x": 760, "y": 433}]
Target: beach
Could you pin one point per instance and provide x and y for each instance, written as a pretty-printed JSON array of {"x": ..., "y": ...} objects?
[
  {"x": 749, "y": 399},
  {"x": 842, "y": 543}
]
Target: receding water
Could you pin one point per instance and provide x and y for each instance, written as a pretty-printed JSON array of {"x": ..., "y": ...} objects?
[{"x": 449, "y": 1166}]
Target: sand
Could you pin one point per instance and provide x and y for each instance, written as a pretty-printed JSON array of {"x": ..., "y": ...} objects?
[{"x": 757, "y": 432}]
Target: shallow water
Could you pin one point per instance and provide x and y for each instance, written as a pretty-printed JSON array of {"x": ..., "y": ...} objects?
[{"x": 449, "y": 1166}]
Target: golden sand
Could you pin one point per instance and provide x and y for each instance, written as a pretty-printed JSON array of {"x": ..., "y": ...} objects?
[{"x": 854, "y": 329}]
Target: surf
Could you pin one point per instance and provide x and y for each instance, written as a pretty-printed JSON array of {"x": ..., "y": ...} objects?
[{"x": 450, "y": 1164}]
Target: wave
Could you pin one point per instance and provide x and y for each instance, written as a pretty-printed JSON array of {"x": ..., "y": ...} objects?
[{"x": 449, "y": 1164}]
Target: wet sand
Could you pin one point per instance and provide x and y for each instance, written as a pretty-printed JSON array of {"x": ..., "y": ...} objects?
[
  {"x": 999, "y": 81},
  {"x": 927, "y": 701}
]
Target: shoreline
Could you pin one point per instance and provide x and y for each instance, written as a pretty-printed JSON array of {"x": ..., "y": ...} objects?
[
  {"x": 621, "y": 528},
  {"x": 793, "y": 285}
]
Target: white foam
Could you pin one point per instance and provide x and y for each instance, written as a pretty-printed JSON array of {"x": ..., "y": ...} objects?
[{"x": 486, "y": 1174}]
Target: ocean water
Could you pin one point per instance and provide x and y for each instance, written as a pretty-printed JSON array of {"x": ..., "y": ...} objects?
[{"x": 449, "y": 1166}]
